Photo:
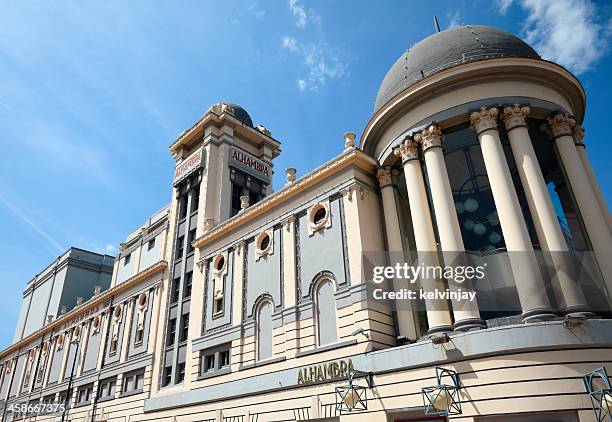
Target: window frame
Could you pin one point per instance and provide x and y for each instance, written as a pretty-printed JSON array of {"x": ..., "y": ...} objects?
[{"x": 215, "y": 353}]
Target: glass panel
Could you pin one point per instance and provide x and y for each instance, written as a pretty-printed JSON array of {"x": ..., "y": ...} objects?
[{"x": 471, "y": 191}]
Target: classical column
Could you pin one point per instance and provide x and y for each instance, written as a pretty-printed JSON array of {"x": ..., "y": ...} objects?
[
  {"x": 466, "y": 313},
  {"x": 542, "y": 211},
  {"x": 592, "y": 215},
  {"x": 438, "y": 315},
  {"x": 406, "y": 319},
  {"x": 529, "y": 284},
  {"x": 578, "y": 133}
]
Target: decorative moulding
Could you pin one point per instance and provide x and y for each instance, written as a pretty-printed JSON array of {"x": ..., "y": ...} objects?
[{"x": 319, "y": 217}]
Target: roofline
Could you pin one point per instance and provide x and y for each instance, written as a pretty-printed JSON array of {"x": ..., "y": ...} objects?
[
  {"x": 351, "y": 157},
  {"x": 210, "y": 116},
  {"x": 440, "y": 77},
  {"x": 94, "y": 301}
]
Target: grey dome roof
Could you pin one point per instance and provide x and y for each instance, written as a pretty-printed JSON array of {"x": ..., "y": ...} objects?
[
  {"x": 446, "y": 49},
  {"x": 240, "y": 113}
]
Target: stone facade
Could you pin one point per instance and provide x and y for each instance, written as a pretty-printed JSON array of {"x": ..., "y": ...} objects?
[{"x": 219, "y": 311}]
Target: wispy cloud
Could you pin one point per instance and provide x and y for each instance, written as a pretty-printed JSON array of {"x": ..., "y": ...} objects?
[
  {"x": 298, "y": 10},
  {"x": 28, "y": 221},
  {"x": 103, "y": 249},
  {"x": 5, "y": 105},
  {"x": 453, "y": 18},
  {"x": 564, "y": 31},
  {"x": 255, "y": 11},
  {"x": 321, "y": 62},
  {"x": 504, "y": 5}
]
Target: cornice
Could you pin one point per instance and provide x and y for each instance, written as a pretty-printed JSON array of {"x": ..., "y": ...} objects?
[
  {"x": 553, "y": 73},
  {"x": 188, "y": 136},
  {"x": 95, "y": 301},
  {"x": 351, "y": 158}
]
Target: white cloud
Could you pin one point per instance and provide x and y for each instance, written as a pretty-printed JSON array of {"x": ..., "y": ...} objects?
[
  {"x": 299, "y": 12},
  {"x": 321, "y": 62},
  {"x": 258, "y": 13},
  {"x": 504, "y": 5},
  {"x": 453, "y": 19},
  {"x": 289, "y": 43},
  {"x": 566, "y": 32},
  {"x": 110, "y": 248}
]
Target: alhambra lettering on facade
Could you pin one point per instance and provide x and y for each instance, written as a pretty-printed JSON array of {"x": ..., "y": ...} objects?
[
  {"x": 324, "y": 371},
  {"x": 250, "y": 162}
]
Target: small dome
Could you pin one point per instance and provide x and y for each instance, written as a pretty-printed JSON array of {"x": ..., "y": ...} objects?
[
  {"x": 239, "y": 113},
  {"x": 446, "y": 49}
]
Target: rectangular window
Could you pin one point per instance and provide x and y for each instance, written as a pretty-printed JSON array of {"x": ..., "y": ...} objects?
[
  {"x": 139, "y": 335},
  {"x": 127, "y": 258},
  {"x": 192, "y": 238},
  {"x": 176, "y": 290},
  {"x": 184, "y": 328},
  {"x": 171, "y": 332},
  {"x": 167, "y": 376},
  {"x": 209, "y": 363},
  {"x": 84, "y": 394},
  {"x": 181, "y": 373},
  {"x": 106, "y": 390},
  {"x": 218, "y": 305},
  {"x": 179, "y": 247},
  {"x": 183, "y": 206},
  {"x": 224, "y": 359},
  {"x": 151, "y": 244},
  {"x": 63, "y": 398},
  {"x": 195, "y": 200},
  {"x": 215, "y": 361},
  {"x": 133, "y": 382},
  {"x": 188, "y": 283}
]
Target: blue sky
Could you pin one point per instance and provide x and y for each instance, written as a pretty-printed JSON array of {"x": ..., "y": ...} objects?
[{"x": 92, "y": 94}]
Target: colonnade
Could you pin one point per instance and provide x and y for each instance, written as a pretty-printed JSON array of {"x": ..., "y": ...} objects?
[{"x": 529, "y": 281}]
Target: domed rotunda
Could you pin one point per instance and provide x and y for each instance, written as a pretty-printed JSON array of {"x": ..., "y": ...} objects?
[{"x": 486, "y": 138}]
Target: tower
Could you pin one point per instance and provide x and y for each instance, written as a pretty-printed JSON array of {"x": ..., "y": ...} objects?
[{"x": 220, "y": 162}]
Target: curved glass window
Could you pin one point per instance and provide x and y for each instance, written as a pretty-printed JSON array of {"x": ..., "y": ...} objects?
[{"x": 471, "y": 189}]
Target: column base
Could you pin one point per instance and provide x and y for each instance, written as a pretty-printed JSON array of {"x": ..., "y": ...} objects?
[
  {"x": 578, "y": 309},
  {"x": 469, "y": 324},
  {"x": 440, "y": 329},
  {"x": 539, "y": 314}
]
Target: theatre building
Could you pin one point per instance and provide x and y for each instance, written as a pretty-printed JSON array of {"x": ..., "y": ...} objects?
[{"x": 238, "y": 303}]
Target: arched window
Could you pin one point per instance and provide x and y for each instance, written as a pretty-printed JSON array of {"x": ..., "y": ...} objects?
[
  {"x": 264, "y": 330},
  {"x": 325, "y": 312}
]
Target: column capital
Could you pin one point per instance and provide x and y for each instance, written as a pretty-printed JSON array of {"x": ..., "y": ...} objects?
[
  {"x": 561, "y": 124},
  {"x": 515, "y": 116},
  {"x": 386, "y": 176},
  {"x": 578, "y": 133},
  {"x": 407, "y": 150},
  {"x": 485, "y": 119},
  {"x": 430, "y": 137}
]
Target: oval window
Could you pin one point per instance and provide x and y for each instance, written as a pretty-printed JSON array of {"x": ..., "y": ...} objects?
[
  {"x": 319, "y": 215},
  {"x": 264, "y": 242},
  {"x": 142, "y": 300},
  {"x": 220, "y": 263}
]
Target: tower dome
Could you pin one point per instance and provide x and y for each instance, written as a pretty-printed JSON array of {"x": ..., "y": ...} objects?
[
  {"x": 446, "y": 49},
  {"x": 240, "y": 113}
]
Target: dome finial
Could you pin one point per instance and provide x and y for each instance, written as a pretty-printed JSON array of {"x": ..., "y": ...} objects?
[{"x": 436, "y": 24}]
